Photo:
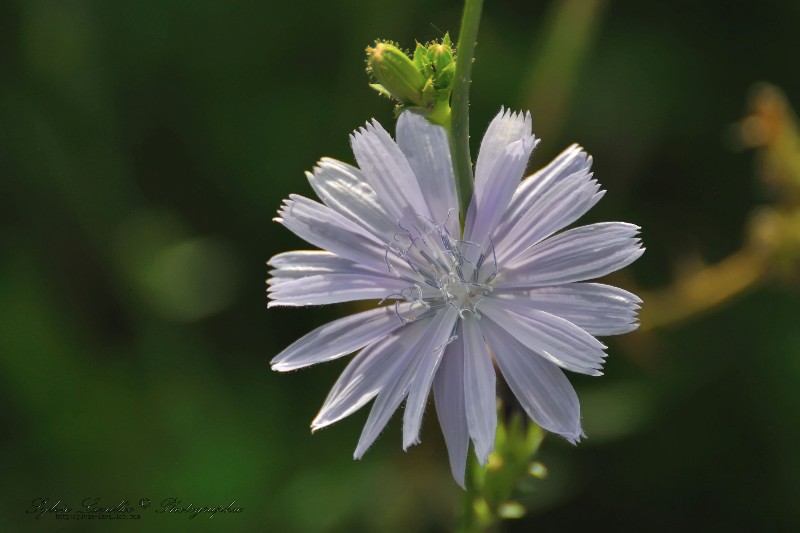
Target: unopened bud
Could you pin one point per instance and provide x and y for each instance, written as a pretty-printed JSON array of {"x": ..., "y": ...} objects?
[
  {"x": 441, "y": 54},
  {"x": 423, "y": 83},
  {"x": 395, "y": 73}
]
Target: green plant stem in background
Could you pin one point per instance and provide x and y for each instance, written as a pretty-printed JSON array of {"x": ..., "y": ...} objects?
[
  {"x": 491, "y": 489},
  {"x": 488, "y": 498},
  {"x": 566, "y": 37},
  {"x": 458, "y": 132}
]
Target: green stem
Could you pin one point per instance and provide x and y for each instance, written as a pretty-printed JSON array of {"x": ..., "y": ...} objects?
[
  {"x": 459, "y": 118},
  {"x": 491, "y": 490}
]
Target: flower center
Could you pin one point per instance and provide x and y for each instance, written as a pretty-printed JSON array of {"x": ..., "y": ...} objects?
[
  {"x": 456, "y": 290},
  {"x": 446, "y": 272}
]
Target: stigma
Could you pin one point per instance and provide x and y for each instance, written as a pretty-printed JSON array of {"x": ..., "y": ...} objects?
[{"x": 442, "y": 272}]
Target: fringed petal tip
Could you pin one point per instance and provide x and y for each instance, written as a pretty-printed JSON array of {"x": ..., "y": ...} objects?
[
  {"x": 276, "y": 303},
  {"x": 372, "y": 126},
  {"x": 483, "y": 455},
  {"x": 573, "y": 438},
  {"x": 278, "y": 366},
  {"x": 508, "y": 115},
  {"x": 362, "y": 448},
  {"x": 408, "y": 443}
]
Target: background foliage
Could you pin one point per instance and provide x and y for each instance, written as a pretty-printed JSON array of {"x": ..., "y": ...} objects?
[{"x": 144, "y": 148}]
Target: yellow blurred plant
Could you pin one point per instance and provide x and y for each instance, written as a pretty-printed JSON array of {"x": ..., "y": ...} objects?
[{"x": 771, "y": 248}]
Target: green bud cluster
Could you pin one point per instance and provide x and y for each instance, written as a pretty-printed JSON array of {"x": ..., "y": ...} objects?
[{"x": 422, "y": 82}]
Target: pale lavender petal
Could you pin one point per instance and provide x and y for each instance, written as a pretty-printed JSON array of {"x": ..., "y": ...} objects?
[
  {"x": 540, "y": 386},
  {"x": 489, "y": 203},
  {"x": 559, "y": 206},
  {"x": 480, "y": 390},
  {"x": 395, "y": 387},
  {"x": 506, "y": 128},
  {"x": 334, "y": 288},
  {"x": 310, "y": 262},
  {"x": 426, "y": 147},
  {"x": 555, "y": 339},
  {"x": 365, "y": 376},
  {"x": 448, "y": 394},
  {"x": 338, "y": 338},
  {"x": 323, "y": 227},
  {"x": 419, "y": 342},
  {"x": 344, "y": 189},
  {"x": 578, "y": 254},
  {"x": 290, "y": 266},
  {"x": 427, "y": 363},
  {"x": 595, "y": 308},
  {"x": 389, "y": 174},
  {"x": 568, "y": 162}
]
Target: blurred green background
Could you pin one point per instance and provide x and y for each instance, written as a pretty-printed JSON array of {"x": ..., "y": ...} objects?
[{"x": 144, "y": 148}]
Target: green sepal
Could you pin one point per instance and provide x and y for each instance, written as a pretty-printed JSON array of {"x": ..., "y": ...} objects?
[
  {"x": 444, "y": 79},
  {"x": 381, "y": 89},
  {"x": 446, "y": 40},
  {"x": 421, "y": 57},
  {"x": 429, "y": 93}
]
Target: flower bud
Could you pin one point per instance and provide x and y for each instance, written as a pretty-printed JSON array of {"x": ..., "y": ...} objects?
[
  {"x": 422, "y": 83},
  {"x": 441, "y": 54},
  {"x": 395, "y": 73},
  {"x": 422, "y": 61}
]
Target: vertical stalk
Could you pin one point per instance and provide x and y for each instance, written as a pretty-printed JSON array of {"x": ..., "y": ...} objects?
[{"x": 459, "y": 125}]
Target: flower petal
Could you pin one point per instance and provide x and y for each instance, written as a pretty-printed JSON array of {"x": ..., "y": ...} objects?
[
  {"x": 428, "y": 359},
  {"x": 565, "y": 164},
  {"x": 338, "y": 338},
  {"x": 344, "y": 189},
  {"x": 290, "y": 266},
  {"x": 540, "y": 386},
  {"x": 506, "y": 128},
  {"x": 419, "y": 341},
  {"x": 389, "y": 174},
  {"x": 426, "y": 147},
  {"x": 365, "y": 376},
  {"x": 333, "y": 288},
  {"x": 595, "y": 308},
  {"x": 310, "y": 262},
  {"x": 323, "y": 227},
  {"x": 555, "y": 339},
  {"x": 480, "y": 389},
  {"x": 489, "y": 202},
  {"x": 448, "y": 394},
  {"x": 578, "y": 254},
  {"x": 561, "y": 205}
]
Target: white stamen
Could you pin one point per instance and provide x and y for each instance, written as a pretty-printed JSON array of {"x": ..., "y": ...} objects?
[{"x": 445, "y": 274}]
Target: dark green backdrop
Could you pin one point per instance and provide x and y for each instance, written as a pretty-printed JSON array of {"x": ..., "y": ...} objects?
[{"x": 144, "y": 149}]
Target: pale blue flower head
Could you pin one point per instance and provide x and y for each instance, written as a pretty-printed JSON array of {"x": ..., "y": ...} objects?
[{"x": 508, "y": 289}]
